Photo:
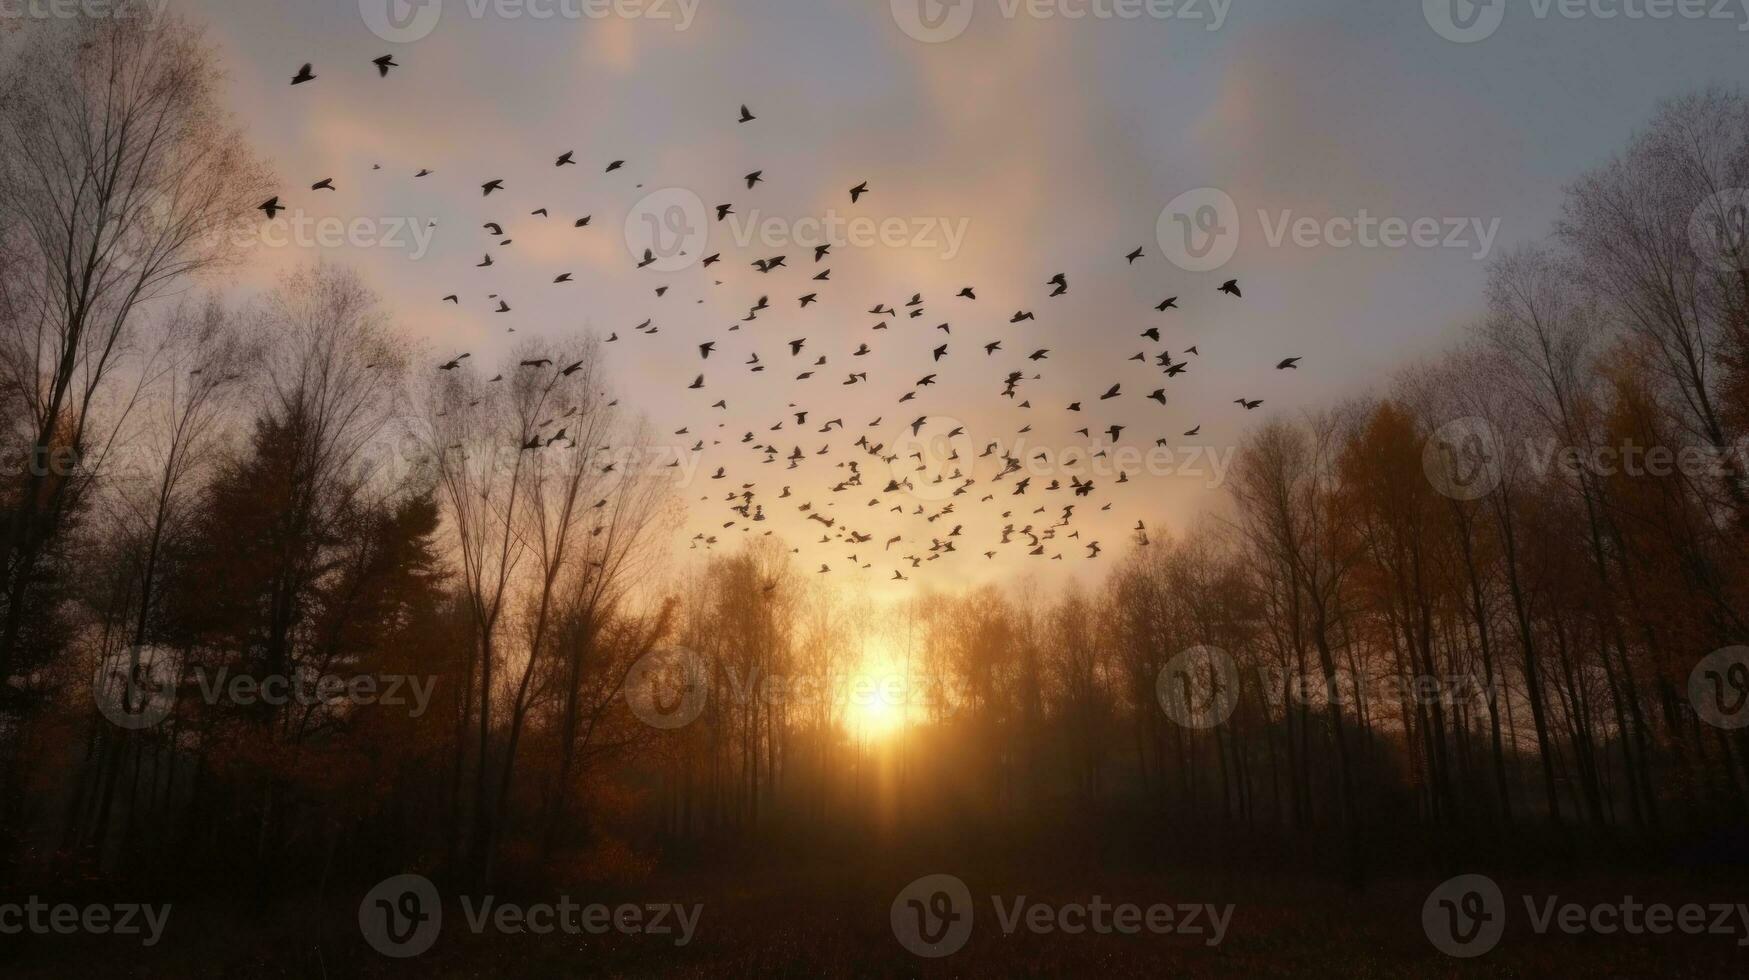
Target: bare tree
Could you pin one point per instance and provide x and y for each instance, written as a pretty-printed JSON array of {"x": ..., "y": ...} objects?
[
  {"x": 1631, "y": 226},
  {"x": 118, "y": 174}
]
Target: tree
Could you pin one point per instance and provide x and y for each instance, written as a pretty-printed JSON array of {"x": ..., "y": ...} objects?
[{"x": 118, "y": 174}]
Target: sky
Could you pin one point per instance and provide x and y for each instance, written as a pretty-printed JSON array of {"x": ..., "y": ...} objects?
[{"x": 1001, "y": 150}]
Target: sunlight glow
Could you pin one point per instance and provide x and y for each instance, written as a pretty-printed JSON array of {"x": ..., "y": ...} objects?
[
  {"x": 875, "y": 700},
  {"x": 874, "y": 718}
]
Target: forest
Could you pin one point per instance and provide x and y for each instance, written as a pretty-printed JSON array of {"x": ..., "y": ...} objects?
[{"x": 284, "y": 612}]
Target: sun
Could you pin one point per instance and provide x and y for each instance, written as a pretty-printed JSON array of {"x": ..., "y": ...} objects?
[
  {"x": 875, "y": 700},
  {"x": 874, "y": 718}
]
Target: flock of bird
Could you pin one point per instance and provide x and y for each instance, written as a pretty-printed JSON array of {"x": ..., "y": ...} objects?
[{"x": 923, "y": 491}]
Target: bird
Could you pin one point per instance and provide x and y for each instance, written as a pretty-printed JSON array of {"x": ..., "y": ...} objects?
[
  {"x": 1231, "y": 286},
  {"x": 1288, "y": 362},
  {"x": 325, "y": 184},
  {"x": 858, "y": 191},
  {"x": 304, "y": 74},
  {"x": 489, "y": 186},
  {"x": 271, "y": 206},
  {"x": 1133, "y": 256},
  {"x": 1249, "y": 405},
  {"x": 383, "y": 64},
  {"x": 1169, "y": 303},
  {"x": 753, "y": 178},
  {"x": 747, "y": 116},
  {"x": 614, "y": 165}
]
